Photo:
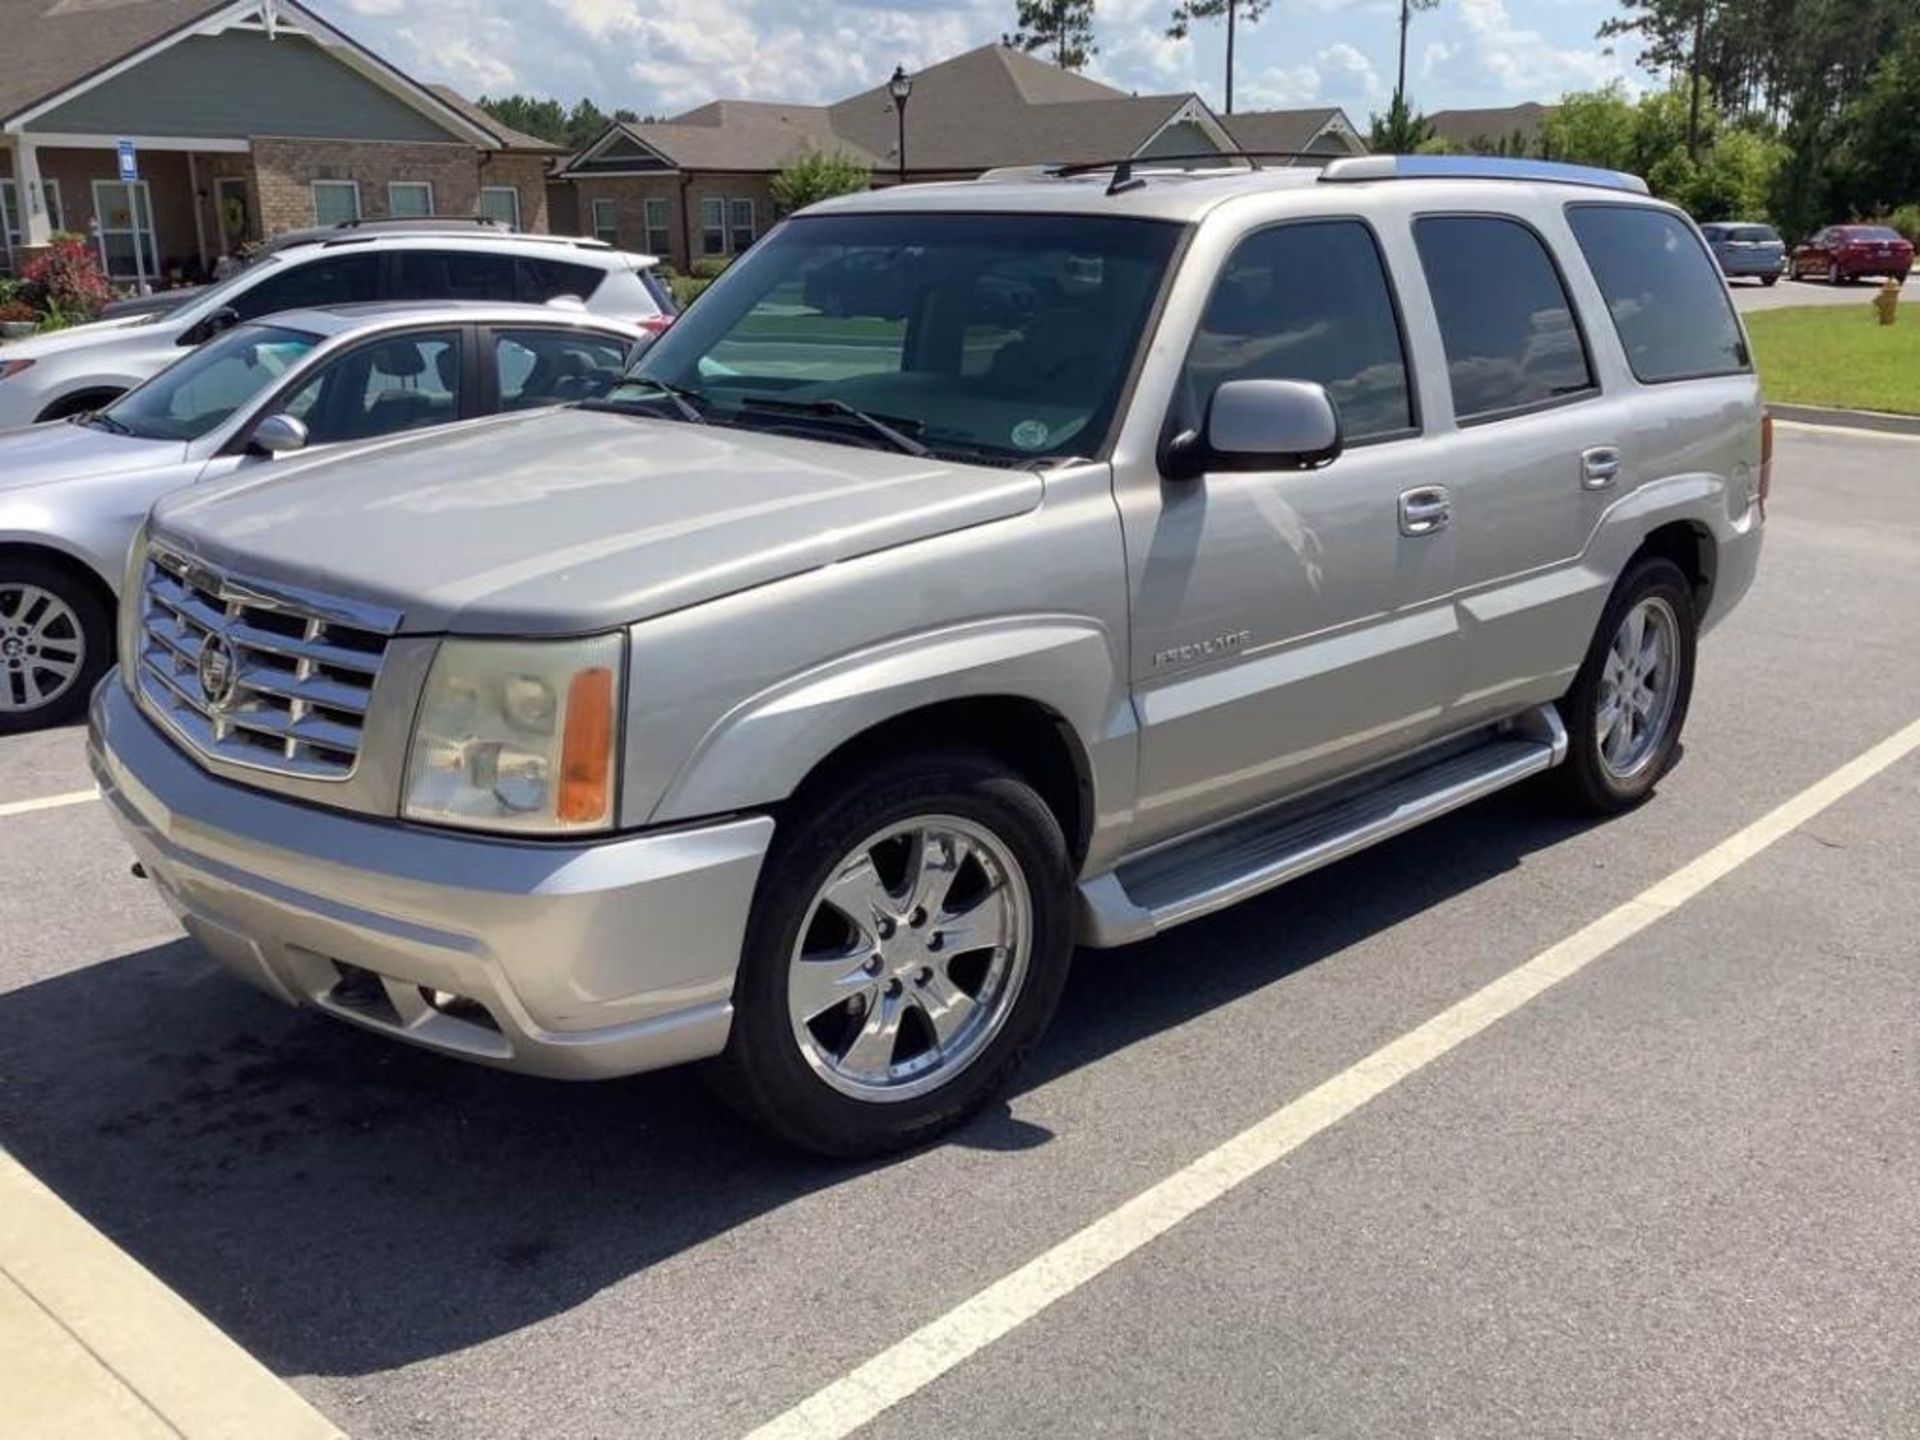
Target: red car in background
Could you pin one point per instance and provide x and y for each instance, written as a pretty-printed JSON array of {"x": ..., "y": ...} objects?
[{"x": 1841, "y": 254}]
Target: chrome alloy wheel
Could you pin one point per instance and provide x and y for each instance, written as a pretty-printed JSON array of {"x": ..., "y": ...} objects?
[
  {"x": 43, "y": 647},
  {"x": 1637, "y": 688},
  {"x": 910, "y": 958}
]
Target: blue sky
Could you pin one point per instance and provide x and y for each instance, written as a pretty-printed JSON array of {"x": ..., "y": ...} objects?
[{"x": 661, "y": 56}]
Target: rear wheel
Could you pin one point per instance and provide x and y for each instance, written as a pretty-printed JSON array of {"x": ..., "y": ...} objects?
[
  {"x": 1769, "y": 280},
  {"x": 56, "y": 640},
  {"x": 1629, "y": 701},
  {"x": 907, "y": 947},
  {"x": 1835, "y": 276}
]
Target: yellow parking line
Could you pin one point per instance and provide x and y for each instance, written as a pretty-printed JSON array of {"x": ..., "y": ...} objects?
[
  {"x": 100, "y": 1347},
  {"x": 46, "y": 802},
  {"x": 907, "y": 1367}
]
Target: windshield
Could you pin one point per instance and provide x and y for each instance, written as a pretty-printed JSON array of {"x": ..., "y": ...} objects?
[
  {"x": 1003, "y": 339},
  {"x": 1873, "y": 232},
  {"x": 199, "y": 392}
]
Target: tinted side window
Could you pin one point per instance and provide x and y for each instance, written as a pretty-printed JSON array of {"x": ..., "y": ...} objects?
[
  {"x": 452, "y": 275},
  {"x": 1307, "y": 302},
  {"x": 336, "y": 280},
  {"x": 1667, "y": 299},
  {"x": 382, "y": 388},
  {"x": 1505, "y": 318},
  {"x": 555, "y": 367},
  {"x": 544, "y": 280}
]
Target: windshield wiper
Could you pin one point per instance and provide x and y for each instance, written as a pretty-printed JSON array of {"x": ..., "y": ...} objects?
[
  {"x": 683, "y": 399},
  {"x": 103, "y": 421},
  {"x": 900, "y": 441}
]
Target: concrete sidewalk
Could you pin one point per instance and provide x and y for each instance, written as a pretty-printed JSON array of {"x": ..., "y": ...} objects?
[{"x": 93, "y": 1347}]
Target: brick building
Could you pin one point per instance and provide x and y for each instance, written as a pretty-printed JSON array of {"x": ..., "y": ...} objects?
[
  {"x": 698, "y": 185},
  {"x": 248, "y": 119}
]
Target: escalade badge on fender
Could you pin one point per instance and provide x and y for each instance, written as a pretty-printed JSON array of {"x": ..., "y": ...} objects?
[{"x": 216, "y": 671}]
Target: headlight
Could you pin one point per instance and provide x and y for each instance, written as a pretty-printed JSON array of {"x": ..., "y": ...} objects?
[
  {"x": 127, "y": 618},
  {"x": 10, "y": 368},
  {"x": 518, "y": 735}
]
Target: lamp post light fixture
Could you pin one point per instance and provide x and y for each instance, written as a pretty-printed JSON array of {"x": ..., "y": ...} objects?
[{"x": 900, "y": 87}]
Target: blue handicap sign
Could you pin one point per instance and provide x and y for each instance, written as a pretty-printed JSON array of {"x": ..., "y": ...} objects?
[{"x": 129, "y": 164}]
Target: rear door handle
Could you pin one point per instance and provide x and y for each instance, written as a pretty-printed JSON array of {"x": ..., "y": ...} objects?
[
  {"x": 1599, "y": 467},
  {"x": 1425, "y": 510}
]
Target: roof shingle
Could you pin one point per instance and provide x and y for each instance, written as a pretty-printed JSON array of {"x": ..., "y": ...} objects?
[{"x": 54, "y": 44}]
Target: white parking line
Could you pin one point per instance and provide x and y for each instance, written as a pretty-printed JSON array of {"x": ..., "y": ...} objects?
[
  {"x": 46, "y": 802},
  {"x": 931, "y": 1351}
]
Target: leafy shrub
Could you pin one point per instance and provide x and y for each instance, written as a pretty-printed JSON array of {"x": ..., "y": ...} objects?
[
  {"x": 1906, "y": 219},
  {"x": 67, "y": 280},
  {"x": 710, "y": 267},
  {"x": 685, "y": 287},
  {"x": 13, "y": 312},
  {"x": 815, "y": 175}
]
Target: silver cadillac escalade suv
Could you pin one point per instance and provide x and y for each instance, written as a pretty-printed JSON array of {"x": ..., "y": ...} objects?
[{"x": 977, "y": 570}]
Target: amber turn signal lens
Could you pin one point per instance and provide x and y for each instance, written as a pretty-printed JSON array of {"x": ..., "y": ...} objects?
[
  {"x": 1766, "y": 459},
  {"x": 586, "y": 750}
]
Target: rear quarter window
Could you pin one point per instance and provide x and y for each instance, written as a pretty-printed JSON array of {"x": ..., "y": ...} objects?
[
  {"x": 1668, "y": 302},
  {"x": 541, "y": 280}
]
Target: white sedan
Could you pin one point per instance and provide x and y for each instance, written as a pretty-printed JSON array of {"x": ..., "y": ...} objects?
[{"x": 72, "y": 493}]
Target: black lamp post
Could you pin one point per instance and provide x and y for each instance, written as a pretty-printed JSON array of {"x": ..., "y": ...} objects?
[{"x": 900, "y": 87}]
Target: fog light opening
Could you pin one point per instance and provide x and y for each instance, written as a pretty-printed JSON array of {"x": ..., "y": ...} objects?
[
  {"x": 460, "y": 1007},
  {"x": 362, "y": 991}
]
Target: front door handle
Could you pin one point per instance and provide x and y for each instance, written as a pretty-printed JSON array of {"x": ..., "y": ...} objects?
[
  {"x": 1425, "y": 510},
  {"x": 1599, "y": 467}
]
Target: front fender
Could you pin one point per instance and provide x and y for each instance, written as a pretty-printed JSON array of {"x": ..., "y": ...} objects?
[{"x": 760, "y": 751}]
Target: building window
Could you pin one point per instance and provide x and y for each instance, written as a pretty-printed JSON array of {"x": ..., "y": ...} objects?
[
  {"x": 335, "y": 202},
  {"x": 606, "y": 222},
  {"x": 659, "y": 232},
  {"x": 739, "y": 225},
  {"x": 713, "y": 226},
  {"x": 410, "y": 199},
  {"x": 125, "y": 216},
  {"x": 501, "y": 204},
  {"x": 13, "y": 223}
]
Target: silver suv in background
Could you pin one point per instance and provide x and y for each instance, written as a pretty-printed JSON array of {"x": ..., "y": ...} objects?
[
  {"x": 1746, "y": 250},
  {"x": 978, "y": 569},
  {"x": 302, "y": 382},
  {"x": 50, "y": 377}
]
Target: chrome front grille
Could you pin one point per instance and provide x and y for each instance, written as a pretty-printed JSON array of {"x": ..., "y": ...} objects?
[{"x": 258, "y": 674}]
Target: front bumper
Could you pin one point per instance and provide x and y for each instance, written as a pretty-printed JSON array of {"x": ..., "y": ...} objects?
[{"x": 572, "y": 960}]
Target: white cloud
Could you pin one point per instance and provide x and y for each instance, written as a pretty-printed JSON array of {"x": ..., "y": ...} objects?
[
  {"x": 1523, "y": 62},
  {"x": 1338, "y": 75}
]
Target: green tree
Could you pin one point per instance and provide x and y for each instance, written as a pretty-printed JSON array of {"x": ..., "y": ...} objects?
[
  {"x": 815, "y": 175},
  {"x": 1185, "y": 12},
  {"x": 1592, "y": 127},
  {"x": 1407, "y": 7},
  {"x": 1064, "y": 26},
  {"x": 545, "y": 119},
  {"x": 1400, "y": 131},
  {"x": 1878, "y": 164}
]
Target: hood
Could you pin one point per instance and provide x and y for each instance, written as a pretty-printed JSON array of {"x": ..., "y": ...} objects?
[
  {"x": 74, "y": 337},
  {"x": 61, "y": 450},
  {"x": 576, "y": 520}
]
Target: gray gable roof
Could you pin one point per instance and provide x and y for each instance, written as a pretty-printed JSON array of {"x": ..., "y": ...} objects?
[
  {"x": 54, "y": 44},
  {"x": 1465, "y": 126},
  {"x": 508, "y": 137},
  {"x": 1287, "y": 130}
]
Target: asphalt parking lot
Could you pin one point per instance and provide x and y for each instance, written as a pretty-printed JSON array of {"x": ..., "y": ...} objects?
[
  {"x": 1676, "y": 1193},
  {"x": 1752, "y": 295}
]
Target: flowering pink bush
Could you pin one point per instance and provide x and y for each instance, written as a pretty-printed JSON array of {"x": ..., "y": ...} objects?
[{"x": 68, "y": 279}]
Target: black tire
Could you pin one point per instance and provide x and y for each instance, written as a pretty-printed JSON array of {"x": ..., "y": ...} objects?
[
  {"x": 1769, "y": 280},
  {"x": 90, "y": 617},
  {"x": 1835, "y": 276},
  {"x": 70, "y": 405},
  {"x": 1588, "y": 781},
  {"x": 764, "y": 1074}
]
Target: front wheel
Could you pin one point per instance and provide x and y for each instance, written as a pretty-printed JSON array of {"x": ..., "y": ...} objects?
[
  {"x": 1629, "y": 700},
  {"x": 56, "y": 640},
  {"x": 907, "y": 947},
  {"x": 1769, "y": 280}
]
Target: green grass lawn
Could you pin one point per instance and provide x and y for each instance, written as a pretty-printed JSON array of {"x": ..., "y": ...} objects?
[{"x": 1839, "y": 355}]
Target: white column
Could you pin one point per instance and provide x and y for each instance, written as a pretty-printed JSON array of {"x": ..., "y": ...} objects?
[{"x": 36, "y": 226}]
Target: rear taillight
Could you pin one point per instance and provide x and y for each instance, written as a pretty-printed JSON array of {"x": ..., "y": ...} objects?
[{"x": 1766, "y": 462}]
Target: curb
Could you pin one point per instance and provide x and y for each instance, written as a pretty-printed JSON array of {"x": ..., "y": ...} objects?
[
  {"x": 1848, "y": 419},
  {"x": 96, "y": 1346}
]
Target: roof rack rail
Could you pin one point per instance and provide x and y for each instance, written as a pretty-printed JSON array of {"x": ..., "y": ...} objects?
[
  {"x": 1478, "y": 167},
  {"x": 417, "y": 222},
  {"x": 1124, "y": 179}
]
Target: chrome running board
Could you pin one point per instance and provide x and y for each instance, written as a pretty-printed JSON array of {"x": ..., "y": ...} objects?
[{"x": 1218, "y": 868}]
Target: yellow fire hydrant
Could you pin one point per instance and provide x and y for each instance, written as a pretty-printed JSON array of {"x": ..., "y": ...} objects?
[{"x": 1887, "y": 302}]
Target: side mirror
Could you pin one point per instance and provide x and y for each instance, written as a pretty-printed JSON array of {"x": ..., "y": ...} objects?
[
  {"x": 208, "y": 326},
  {"x": 1258, "y": 425},
  {"x": 277, "y": 435}
]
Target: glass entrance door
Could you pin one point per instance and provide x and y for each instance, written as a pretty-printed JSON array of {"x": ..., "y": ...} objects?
[{"x": 125, "y": 216}]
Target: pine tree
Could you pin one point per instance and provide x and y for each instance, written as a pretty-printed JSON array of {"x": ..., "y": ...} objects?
[{"x": 1064, "y": 26}]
